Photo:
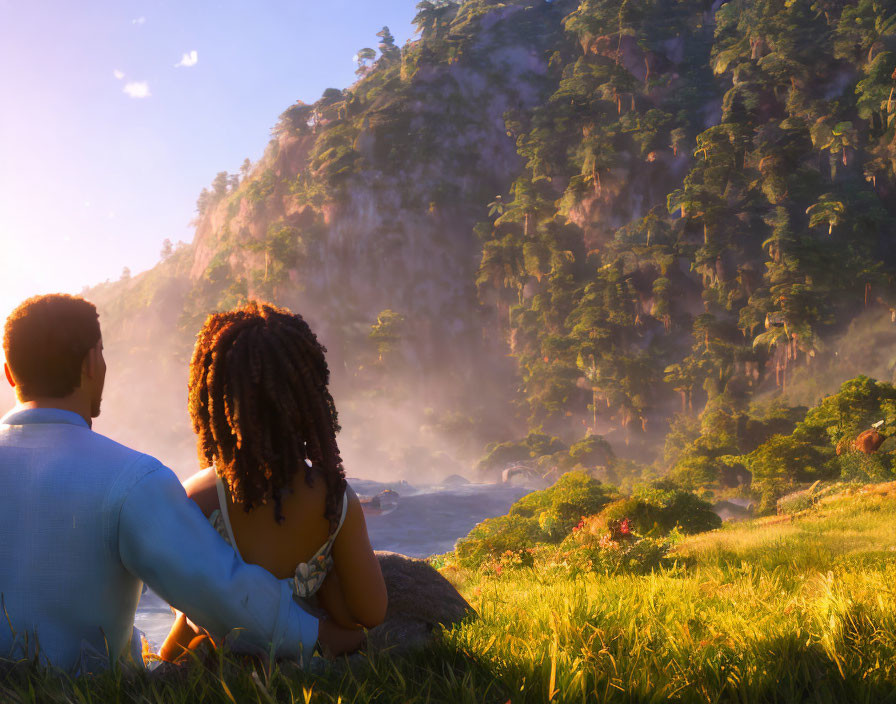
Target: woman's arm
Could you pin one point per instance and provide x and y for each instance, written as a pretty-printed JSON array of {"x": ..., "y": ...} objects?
[
  {"x": 201, "y": 488},
  {"x": 357, "y": 592}
]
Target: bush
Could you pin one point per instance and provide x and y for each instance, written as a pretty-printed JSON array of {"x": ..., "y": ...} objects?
[
  {"x": 578, "y": 504},
  {"x": 495, "y": 536},
  {"x": 540, "y": 517},
  {"x": 574, "y": 495},
  {"x": 696, "y": 470},
  {"x": 859, "y": 467},
  {"x": 592, "y": 451},
  {"x": 584, "y": 551},
  {"x": 645, "y": 517},
  {"x": 690, "y": 513},
  {"x": 673, "y": 506}
]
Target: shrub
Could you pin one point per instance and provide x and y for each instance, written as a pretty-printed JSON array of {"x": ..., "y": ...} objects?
[
  {"x": 605, "y": 553},
  {"x": 690, "y": 513},
  {"x": 645, "y": 517},
  {"x": 673, "y": 506},
  {"x": 495, "y": 536},
  {"x": 859, "y": 467},
  {"x": 540, "y": 517},
  {"x": 574, "y": 495}
]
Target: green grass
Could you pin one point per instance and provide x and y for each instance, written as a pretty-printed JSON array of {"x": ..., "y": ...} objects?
[{"x": 776, "y": 610}]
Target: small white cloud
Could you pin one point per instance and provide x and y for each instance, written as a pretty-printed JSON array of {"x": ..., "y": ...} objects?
[
  {"x": 138, "y": 20},
  {"x": 118, "y": 74},
  {"x": 188, "y": 59},
  {"x": 137, "y": 89}
]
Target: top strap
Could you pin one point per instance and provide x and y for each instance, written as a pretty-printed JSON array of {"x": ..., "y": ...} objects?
[
  {"x": 341, "y": 518},
  {"x": 222, "y": 504}
]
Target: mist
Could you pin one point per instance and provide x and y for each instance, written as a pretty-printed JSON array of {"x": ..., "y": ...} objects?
[{"x": 415, "y": 415}]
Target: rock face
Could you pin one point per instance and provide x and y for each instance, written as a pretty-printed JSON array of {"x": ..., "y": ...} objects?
[{"x": 419, "y": 600}]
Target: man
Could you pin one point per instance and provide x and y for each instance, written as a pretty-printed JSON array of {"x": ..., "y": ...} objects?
[{"x": 85, "y": 521}]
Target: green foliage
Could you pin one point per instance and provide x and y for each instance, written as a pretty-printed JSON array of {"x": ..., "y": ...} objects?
[
  {"x": 496, "y": 536},
  {"x": 387, "y": 333},
  {"x": 574, "y": 495},
  {"x": 858, "y": 404},
  {"x": 558, "y": 514},
  {"x": 583, "y": 552},
  {"x": 693, "y": 211},
  {"x": 592, "y": 451},
  {"x": 542, "y": 516}
]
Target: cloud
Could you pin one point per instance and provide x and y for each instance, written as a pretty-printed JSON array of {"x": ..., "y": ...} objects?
[
  {"x": 188, "y": 59},
  {"x": 118, "y": 74},
  {"x": 138, "y": 20},
  {"x": 137, "y": 89}
]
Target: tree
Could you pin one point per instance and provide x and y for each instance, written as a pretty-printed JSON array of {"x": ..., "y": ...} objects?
[
  {"x": 125, "y": 274},
  {"x": 167, "y": 249},
  {"x": 220, "y": 185},
  {"x": 364, "y": 59},
  {"x": 432, "y": 16},
  {"x": 204, "y": 201},
  {"x": 245, "y": 168},
  {"x": 826, "y": 211}
]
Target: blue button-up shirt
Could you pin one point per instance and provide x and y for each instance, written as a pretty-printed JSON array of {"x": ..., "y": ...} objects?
[{"x": 85, "y": 521}]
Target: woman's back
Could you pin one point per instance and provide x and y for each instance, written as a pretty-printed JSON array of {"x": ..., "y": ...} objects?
[
  {"x": 353, "y": 592},
  {"x": 260, "y": 539}
]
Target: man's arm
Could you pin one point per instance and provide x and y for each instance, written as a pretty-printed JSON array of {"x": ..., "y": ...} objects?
[{"x": 165, "y": 540}]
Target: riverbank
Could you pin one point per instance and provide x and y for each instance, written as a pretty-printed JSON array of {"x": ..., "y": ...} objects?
[{"x": 784, "y": 609}]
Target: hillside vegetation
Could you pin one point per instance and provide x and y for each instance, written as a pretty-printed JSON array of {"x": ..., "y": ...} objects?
[
  {"x": 651, "y": 206},
  {"x": 783, "y": 609}
]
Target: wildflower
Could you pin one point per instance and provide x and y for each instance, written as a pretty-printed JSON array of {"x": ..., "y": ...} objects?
[
  {"x": 607, "y": 542},
  {"x": 625, "y": 527}
]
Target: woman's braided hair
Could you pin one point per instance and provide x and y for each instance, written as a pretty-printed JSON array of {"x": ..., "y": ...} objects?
[{"x": 260, "y": 406}]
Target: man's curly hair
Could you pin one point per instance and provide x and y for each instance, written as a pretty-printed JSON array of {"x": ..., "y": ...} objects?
[{"x": 260, "y": 406}]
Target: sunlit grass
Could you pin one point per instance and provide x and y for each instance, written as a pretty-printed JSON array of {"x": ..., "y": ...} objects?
[{"x": 777, "y": 610}]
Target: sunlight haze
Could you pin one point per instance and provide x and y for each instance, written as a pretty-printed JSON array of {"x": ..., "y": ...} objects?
[{"x": 115, "y": 115}]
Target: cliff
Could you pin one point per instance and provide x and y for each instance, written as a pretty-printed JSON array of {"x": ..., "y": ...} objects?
[{"x": 582, "y": 217}]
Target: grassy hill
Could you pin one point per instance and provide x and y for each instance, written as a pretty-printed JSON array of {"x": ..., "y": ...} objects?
[{"x": 789, "y": 608}]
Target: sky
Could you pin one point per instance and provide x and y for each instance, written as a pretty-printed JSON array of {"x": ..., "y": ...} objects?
[{"x": 115, "y": 115}]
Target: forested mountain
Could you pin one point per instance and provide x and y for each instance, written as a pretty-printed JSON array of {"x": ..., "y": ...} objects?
[{"x": 564, "y": 221}]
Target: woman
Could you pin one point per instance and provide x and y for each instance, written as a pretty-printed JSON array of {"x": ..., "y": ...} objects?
[{"x": 275, "y": 487}]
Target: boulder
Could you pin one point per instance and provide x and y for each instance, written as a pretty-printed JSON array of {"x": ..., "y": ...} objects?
[
  {"x": 420, "y": 599},
  {"x": 868, "y": 442}
]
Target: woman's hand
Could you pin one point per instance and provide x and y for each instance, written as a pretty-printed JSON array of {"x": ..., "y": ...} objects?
[
  {"x": 335, "y": 640},
  {"x": 358, "y": 578}
]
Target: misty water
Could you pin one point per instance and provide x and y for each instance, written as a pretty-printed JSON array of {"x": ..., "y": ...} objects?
[{"x": 427, "y": 520}]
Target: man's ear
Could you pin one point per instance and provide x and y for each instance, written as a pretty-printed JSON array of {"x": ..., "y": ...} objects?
[
  {"x": 12, "y": 382},
  {"x": 88, "y": 367}
]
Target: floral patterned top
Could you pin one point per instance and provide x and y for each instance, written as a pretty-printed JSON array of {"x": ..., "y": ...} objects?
[{"x": 310, "y": 575}]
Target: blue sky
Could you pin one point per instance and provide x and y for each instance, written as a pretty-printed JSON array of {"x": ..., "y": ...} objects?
[{"x": 105, "y": 141}]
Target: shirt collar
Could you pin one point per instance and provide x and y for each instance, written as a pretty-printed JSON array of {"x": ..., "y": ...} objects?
[{"x": 28, "y": 416}]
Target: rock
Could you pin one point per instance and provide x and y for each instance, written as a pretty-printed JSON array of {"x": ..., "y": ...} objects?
[
  {"x": 455, "y": 480},
  {"x": 868, "y": 442},
  {"x": 420, "y": 599}
]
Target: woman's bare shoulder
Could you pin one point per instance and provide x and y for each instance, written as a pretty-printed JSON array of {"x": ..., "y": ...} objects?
[{"x": 202, "y": 488}]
